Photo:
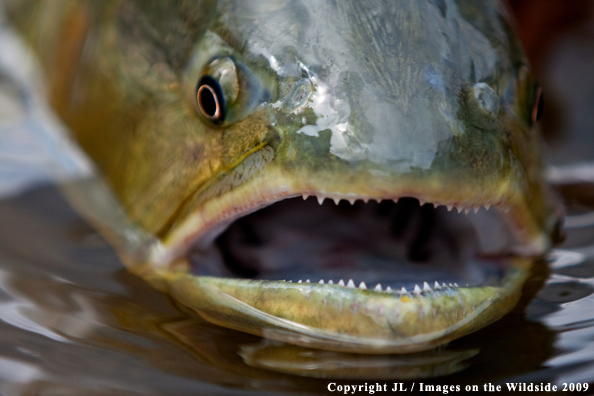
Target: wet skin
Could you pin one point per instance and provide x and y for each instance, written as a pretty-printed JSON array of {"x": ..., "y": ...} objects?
[{"x": 203, "y": 116}]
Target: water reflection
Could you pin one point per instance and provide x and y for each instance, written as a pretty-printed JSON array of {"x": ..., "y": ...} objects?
[
  {"x": 74, "y": 322},
  {"x": 291, "y": 359}
]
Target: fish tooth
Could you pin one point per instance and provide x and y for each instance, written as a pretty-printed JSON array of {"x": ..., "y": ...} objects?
[
  {"x": 421, "y": 202},
  {"x": 307, "y": 281},
  {"x": 450, "y": 207},
  {"x": 321, "y": 282},
  {"x": 290, "y": 281},
  {"x": 352, "y": 201},
  {"x": 336, "y": 201},
  {"x": 435, "y": 205},
  {"x": 444, "y": 285},
  {"x": 476, "y": 209},
  {"x": 426, "y": 287},
  {"x": 403, "y": 290},
  {"x": 389, "y": 290},
  {"x": 417, "y": 289},
  {"x": 378, "y": 288},
  {"x": 321, "y": 200},
  {"x": 362, "y": 285},
  {"x": 451, "y": 285},
  {"x": 395, "y": 200},
  {"x": 330, "y": 282},
  {"x": 487, "y": 206},
  {"x": 300, "y": 281},
  {"x": 305, "y": 196},
  {"x": 351, "y": 284},
  {"x": 466, "y": 210},
  {"x": 366, "y": 199},
  {"x": 436, "y": 286},
  {"x": 459, "y": 209},
  {"x": 456, "y": 285},
  {"x": 341, "y": 282}
]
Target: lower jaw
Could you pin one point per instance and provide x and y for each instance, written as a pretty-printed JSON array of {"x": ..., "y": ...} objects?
[{"x": 338, "y": 318}]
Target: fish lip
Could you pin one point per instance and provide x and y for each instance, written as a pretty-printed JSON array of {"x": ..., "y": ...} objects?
[
  {"x": 189, "y": 235},
  {"x": 355, "y": 320}
]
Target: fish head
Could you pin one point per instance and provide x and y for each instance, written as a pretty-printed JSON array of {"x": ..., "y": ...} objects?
[
  {"x": 356, "y": 102},
  {"x": 208, "y": 119}
]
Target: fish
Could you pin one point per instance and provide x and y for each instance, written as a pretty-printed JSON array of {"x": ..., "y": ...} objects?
[{"x": 353, "y": 176}]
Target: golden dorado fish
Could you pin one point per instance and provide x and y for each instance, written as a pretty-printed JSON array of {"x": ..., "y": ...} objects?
[{"x": 360, "y": 176}]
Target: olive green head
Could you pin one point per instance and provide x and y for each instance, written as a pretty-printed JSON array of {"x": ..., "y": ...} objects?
[{"x": 199, "y": 113}]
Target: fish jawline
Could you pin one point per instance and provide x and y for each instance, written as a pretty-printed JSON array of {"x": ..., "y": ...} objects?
[
  {"x": 338, "y": 318},
  {"x": 329, "y": 317}
]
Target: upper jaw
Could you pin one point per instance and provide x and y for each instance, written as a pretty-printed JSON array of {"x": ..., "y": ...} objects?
[{"x": 207, "y": 219}]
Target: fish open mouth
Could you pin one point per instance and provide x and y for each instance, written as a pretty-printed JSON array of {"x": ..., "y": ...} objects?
[
  {"x": 398, "y": 247},
  {"x": 367, "y": 276}
]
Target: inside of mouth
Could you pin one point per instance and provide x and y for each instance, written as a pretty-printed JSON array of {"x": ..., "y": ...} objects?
[{"x": 393, "y": 244}]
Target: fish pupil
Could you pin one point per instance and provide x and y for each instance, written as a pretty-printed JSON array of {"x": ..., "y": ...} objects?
[{"x": 210, "y": 99}]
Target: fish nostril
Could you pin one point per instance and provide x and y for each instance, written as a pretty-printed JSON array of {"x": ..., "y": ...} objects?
[
  {"x": 298, "y": 95},
  {"x": 487, "y": 98}
]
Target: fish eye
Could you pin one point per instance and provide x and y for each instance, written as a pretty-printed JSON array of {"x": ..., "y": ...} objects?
[
  {"x": 226, "y": 92},
  {"x": 537, "y": 104},
  {"x": 210, "y": 100}
]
